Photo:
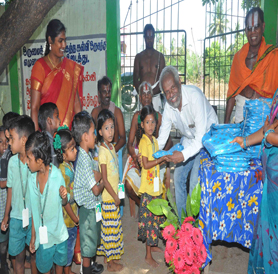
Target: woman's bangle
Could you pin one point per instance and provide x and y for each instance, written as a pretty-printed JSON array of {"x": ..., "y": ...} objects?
[
  {"x": 265, "y": 136},
  {"x": 247, "y": 142},
  {"x": 244, "y": 143}
]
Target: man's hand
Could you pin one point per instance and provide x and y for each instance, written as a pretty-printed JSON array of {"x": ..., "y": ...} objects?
[
  {"x": 176, "y": 158},
  {"x": 32, "y": 244},
  {"x": 4, "y": 224},
  {"x": 63, "y": 192}
]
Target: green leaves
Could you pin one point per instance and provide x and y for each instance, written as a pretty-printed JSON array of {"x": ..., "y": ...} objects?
[
  {"x": 155, "y": 206},
  {"x": 188, "y": 206},
  {"x": 171, "y": 201},
  {"x": 195, "y": 200},
  {"x": 161, "y": 207}
]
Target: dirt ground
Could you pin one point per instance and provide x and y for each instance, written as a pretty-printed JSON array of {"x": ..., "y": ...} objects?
[{"x": 227, "y": 258}]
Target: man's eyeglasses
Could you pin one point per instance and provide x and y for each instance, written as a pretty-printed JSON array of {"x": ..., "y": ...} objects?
[{"x": 253, "y": 28}]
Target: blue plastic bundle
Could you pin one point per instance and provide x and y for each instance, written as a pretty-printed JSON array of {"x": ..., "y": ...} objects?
[
  {"x": 160, "y": 153},
  {"x": 220, "y": 143},
  {"x": 232, "y": 129},
  {"x": 255, "y": 113},
  {"x": 236, "y": 162}
]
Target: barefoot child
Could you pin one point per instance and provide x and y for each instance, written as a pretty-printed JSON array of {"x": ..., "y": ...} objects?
[
  {"x": 112, "y": 245},
  {"x": 65, "y": 149},
  {"x": 48, "y": 194},
  {"x": 18, "y": 200},
  {"x": 151, "y": 186},
  {"x": 86, "y": 191}
]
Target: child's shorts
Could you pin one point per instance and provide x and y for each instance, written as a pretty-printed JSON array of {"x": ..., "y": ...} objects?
[
  {"x": 89, "y": 232},
  {"x": 19, "y": 236},
  {"x": 71, "y": 243},
  {"x": 4, "y": 235},
  {"x": 56, "y": 254}
]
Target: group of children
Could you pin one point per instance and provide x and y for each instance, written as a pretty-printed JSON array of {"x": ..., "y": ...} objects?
[{"x": 53, "y": 187}]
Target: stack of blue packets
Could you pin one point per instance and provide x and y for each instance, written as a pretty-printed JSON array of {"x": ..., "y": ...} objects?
[
  {"x": 231, "y": 157},
  {"x": 228, "y": 157},
  {"x": 255, "y": 113}
]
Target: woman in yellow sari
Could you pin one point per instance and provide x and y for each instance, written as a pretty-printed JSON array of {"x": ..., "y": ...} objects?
[{"x": 56, "y": 79}]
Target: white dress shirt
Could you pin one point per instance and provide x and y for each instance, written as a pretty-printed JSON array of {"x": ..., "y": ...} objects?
[{"x": 193, "y": 121}]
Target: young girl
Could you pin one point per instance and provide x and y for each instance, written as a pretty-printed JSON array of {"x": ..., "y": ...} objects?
[
  {"x": 46, "y": 187},
  {"x": 65, "y": 149},
  {"x": 151, "y": 186},
  {"x": 112, "y": 245}
]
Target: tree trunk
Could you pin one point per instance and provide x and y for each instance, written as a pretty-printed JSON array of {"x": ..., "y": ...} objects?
[{"x": 17, "y": 25}]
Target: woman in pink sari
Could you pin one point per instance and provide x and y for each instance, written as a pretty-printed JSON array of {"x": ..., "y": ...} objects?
[{"x": 56, "y": 79}]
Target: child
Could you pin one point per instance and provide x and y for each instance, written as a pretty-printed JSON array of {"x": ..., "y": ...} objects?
[
  {"x": 7, "y": 121},
  {"x": 47, "y": 193},
  {"x": 4, "y": 235},
  {"x": 65, "y": 149},
  {"x": 86, "y": 191},
  {"x": 18, "y": 200},
  {"x": 49, "y": 122},
  {"x": 151, "y": 187},
  {"x": 111, "y": 226}
]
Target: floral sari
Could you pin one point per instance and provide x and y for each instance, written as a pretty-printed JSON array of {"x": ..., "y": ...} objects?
[
  {"x": 263, "y": 256},
  {"x": 59, "y": 86}
]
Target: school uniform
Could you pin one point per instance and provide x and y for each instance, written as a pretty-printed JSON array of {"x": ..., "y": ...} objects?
[
  {"x": 49, "y": 204},
  {"x": 18, "y": 174}
]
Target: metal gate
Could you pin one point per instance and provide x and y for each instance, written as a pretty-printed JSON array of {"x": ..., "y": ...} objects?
[
  {"x": 225, "y": 36},
  {"x": 169, "y": 40}
]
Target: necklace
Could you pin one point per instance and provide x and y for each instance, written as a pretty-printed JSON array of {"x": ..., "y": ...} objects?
[
  {"x": 52, "y": 63},
  {"x": 252, "y": 56}
]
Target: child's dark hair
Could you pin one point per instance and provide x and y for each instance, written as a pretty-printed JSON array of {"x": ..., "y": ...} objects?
[
  {"x": 23, "y": 125},
  {"x": 104, "y": 115},
  {"x": 81, "y": 124},
  {"x": 38, "y": 143},
  {"x": 146, "y": 110},
  {"x": 46, "y": 110},
  {"x": 65, "y": 138},
  {"x": 8, "y": 118},
  {"x": 2, "y": 128}
]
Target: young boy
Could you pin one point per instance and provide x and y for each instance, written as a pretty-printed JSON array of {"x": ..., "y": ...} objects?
[
  {"x": 87, "y": 191},
  {"x": 20, "y": 223},
  {"x": 49, "y": 122},
  {"x": 4, "y": 235},
  {"x": 6, "y": 121}
]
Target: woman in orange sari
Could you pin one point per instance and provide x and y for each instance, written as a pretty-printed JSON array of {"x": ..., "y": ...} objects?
[{"x": 56, "y": 79}]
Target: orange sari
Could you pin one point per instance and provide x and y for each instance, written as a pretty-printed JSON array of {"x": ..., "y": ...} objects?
[
  {"x": 262, "y": 78},
  {"x": 59, "y": 86}
]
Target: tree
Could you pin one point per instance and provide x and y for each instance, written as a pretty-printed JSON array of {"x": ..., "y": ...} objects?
[
  {"x": 218, "y": 62},
  {"x": 218, "y": 26},
  {"x": 239, "y": 38},
  {"x": 245, "y": 4},
  {"x": 17, "y": 25}
]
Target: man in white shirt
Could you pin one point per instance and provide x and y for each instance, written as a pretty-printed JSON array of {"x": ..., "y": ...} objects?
[{"x": 191, "y": 113}]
